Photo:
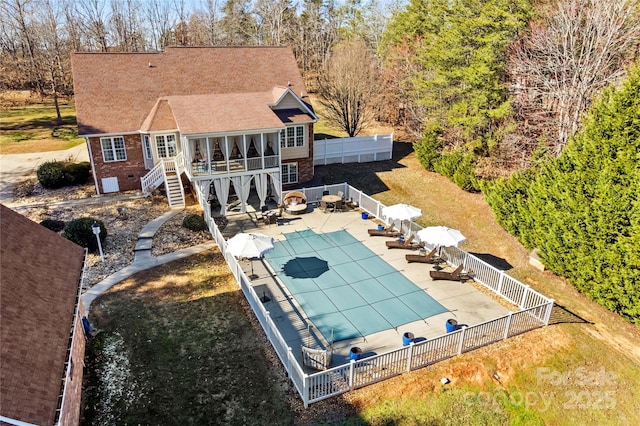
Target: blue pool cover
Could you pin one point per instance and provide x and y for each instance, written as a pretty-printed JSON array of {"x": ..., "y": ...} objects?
[{"x": 344, "y": 288}]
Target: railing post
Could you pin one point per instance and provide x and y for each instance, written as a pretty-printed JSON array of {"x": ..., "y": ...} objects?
[
  {"x": 549, "y": 309},
  {"x": 462, "y": 335},
  {"x": 502, "y": 274},
  {"x": 410, "y": 355},
  {"x": 508, "y": 325},
  {"x": 289, "y": 355},
  {"x": 268, "y": 317},
  {"x": 524, "y": 296},
  {"x": 352, "y": 368},
  {"x": 305, "y": 390}
]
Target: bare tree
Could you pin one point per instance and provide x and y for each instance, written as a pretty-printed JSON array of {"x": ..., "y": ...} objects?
[
  {"x": 348, "y": 86},
  {"x": 563, "y": 60},
  {"x": 212, "y": 22},
  {"x": 20, "y": 15},
  {"x": 316, "y": 33},
  {"x": 273, "y": 16},
  {"x": 53, "y": 54},
  {"x": 126, "y": 25},
  {"x": 94, "y": 19}
]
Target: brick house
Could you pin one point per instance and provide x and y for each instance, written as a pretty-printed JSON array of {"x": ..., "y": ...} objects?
[
  {"x": 217, "y": 116},
  {"x": 42, "y": 341}
]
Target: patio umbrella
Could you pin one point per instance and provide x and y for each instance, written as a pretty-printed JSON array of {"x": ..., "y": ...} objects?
[
  {"x": 249, "y": 246},
  {"x": 401, "y": 212},
  {"x": 441, "y": 236}
]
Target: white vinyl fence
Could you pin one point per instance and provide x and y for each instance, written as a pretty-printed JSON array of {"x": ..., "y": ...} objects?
[
  {"x": 360, "y": 149},
  {"x": 535, "y": 310}
]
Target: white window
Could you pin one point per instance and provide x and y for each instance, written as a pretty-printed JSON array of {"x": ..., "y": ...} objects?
[
  {"x": 292, "y": 137},
  {"x": 147, "y": 147},
  {"x": 166, "y": 146},
  {"x": 113, "y": 149},
  {"x": 290, "y": 173}
]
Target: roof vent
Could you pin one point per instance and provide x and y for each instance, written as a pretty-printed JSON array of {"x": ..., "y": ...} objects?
[
  {"x": 289, "y": 84},
  {"x": 150, "y": 65}
]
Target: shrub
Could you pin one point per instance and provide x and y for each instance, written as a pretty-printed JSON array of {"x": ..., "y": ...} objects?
[
  {"x": 77, "y": 173},
  {"x": 80, "y": 232},
  {"x": 458, "y": 167},
  {"x": 428, "y": 149},
  {"x": 194, "y": 222},
  {"x": 52, "y": 224},
  {"x": 51, "y": 174}
]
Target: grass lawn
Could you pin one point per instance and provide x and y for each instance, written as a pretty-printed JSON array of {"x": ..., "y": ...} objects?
[
  {"x": 176, "y": 347},
  {"x": 27, "y": 127}
]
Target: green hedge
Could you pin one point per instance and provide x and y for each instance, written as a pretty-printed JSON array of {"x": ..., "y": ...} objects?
[
  {"x": 56, "y": 174},
  {"x": 582, "y": 210}
]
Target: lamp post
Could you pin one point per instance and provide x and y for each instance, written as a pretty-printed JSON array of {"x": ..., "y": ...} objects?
[{"x": 96, "y": 230}]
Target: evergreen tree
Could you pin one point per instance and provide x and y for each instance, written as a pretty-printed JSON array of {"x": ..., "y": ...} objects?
[
  {"x": 582, "y": 210},
  {"x": 460, "y": 53}
]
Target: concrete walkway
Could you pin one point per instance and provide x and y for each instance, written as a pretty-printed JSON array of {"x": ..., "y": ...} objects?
[{"x": 143, "y": 258}]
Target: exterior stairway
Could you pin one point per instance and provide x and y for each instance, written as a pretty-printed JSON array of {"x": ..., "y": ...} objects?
[
  {"x": 175, "y": 191},
  {"x": 167, "y": 171}
]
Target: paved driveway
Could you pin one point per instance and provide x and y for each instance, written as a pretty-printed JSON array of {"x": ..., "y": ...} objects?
[{"x": 14, "y": 166}]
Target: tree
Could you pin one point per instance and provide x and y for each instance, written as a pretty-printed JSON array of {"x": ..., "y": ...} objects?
[
  {"x": 315, "y": 35},
  {"x": 238, "y": 23},
  {"x": 582, "y": 209},
  {"x": 348, "y": 86},
  {"x": 453, "y": 83},
  {"x": 572, "y": 51}
]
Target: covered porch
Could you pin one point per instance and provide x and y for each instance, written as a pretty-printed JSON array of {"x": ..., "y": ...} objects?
[{"x": 210, "y": 155}]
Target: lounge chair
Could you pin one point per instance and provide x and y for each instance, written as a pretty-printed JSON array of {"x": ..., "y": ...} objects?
[
  {"x": 456, "y": 275},
  {"x": 386, "y": 232},
  {"x": 431, "y": 257},
  {"x": 406, "y": 244}
]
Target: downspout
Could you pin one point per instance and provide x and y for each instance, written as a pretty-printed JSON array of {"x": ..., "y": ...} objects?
[{"x": 93, "y": 166}]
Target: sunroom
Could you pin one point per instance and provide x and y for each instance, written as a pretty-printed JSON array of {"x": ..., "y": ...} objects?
[{"x": 209, "y": 155}]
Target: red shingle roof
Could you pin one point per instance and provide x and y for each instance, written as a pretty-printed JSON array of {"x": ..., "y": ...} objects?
[
  {"x": 40, "y": 272},
  {"x": 116, "y": 92}
]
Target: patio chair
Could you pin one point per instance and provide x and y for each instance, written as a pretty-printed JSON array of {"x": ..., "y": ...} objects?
[
  {"x": 338, "y": 206},
  {"x": 389, "y": 231},
  {"x": 323, "y": 206},
  {"x": 341, "y": 195},
  {"x": 456, "y": 275},
  {"x": 406, "y": 244},
  {"x": 431, "y": 257}
]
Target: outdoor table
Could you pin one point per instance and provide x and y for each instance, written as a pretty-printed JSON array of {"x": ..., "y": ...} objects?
[{"x": 331, "y": 200}]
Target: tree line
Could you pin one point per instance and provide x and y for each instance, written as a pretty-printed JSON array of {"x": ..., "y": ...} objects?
[
  {"x": 37, "y": 37},
  {"x": 582, "y": 208}
]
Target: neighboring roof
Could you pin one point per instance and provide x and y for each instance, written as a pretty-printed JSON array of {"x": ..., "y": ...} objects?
[
  {"x": 116, "y": 92},
  {"x": 40, "y": 274}
]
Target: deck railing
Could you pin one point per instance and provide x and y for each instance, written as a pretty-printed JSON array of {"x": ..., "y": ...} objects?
[{"x": 534, "y": 313}]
